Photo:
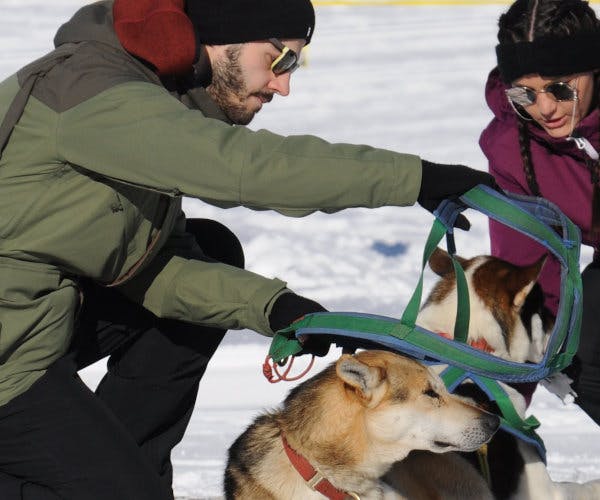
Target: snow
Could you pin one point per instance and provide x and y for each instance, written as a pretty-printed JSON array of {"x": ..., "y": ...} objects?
[{"x": 408, "y": 78}]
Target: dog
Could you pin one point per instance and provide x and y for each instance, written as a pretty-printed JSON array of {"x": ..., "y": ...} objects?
[
  {"x": 507, "y": 315},
  {"x": 346, "y": 426},
  {"x": 508, "y": 319}
]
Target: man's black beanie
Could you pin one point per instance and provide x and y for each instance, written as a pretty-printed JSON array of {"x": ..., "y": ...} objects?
[{"x": 221, "y": 22}]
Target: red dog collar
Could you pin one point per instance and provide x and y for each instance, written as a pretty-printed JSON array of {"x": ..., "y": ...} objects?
[{"x": 313, "y": 477}]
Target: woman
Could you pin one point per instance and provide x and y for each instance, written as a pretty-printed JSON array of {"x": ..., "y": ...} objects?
[{"x": 544, "y": 141}]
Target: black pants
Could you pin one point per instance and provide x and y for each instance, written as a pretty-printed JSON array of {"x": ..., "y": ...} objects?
[
  {"x": 60, "y": 440},
  {"x": 585, "y": 369}
]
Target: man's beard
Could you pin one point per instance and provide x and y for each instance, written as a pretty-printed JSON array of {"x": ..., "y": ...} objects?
[{"x": 228, "y": 88}]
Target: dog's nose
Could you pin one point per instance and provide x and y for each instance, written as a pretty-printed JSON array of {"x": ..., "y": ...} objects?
[{"x": 490, "y": 422}]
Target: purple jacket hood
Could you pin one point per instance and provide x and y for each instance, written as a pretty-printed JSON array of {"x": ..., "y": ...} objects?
[{"x": 496, "y": 99}]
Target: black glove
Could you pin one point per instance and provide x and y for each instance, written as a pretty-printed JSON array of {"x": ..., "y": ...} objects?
[
  {"x": 289, "y": 307},
  {"x": 440, "y": 182}
]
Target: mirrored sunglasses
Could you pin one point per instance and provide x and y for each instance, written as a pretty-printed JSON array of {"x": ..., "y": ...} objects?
[
  {"x": 287, "y": 61},
  {"x": 524, "y": 96},
  {"x": 521, "y": 97}
]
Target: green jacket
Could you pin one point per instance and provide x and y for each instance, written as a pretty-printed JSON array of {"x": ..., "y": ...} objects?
[{"x": 91, "y": 181}]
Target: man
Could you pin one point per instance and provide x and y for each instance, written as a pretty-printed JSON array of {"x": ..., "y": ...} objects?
[{"x": 101, "y": 139}]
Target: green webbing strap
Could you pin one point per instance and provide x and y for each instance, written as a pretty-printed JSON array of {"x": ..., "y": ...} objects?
[
  {"x": 509, "y": 417},
  {"x": 461, "y": 327},
  {"x": 412, "y": 339},
  {"x": 409, "y": 317},
  {"x": 284, "y": 345}
]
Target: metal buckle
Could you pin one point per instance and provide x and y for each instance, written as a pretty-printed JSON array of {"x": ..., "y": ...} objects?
[{"x": 316, "y": 479}]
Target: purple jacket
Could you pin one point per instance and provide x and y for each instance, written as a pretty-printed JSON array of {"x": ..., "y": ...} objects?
[{"x": 561, "y": 174}]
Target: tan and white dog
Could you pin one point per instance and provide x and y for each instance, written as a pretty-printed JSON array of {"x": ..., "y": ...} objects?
[
  {"x": 516, "y": 472},
  {"x": 348, "y": 425}
]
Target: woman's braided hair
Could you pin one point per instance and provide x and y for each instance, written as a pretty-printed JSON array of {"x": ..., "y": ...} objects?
[{"x": 527, "y": 20}]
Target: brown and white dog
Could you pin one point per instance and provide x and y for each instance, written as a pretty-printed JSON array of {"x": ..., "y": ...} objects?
[
  {"x": 509, "y": 320},
  {"x": 348, "y": 425},
  {"x": 507, "y": 316}
]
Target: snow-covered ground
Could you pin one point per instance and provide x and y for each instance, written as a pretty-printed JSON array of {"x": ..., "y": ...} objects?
[{"x": 408, "y": 78}]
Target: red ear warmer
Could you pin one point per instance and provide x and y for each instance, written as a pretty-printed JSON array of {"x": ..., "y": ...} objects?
[{"x": 158, "y": 31}]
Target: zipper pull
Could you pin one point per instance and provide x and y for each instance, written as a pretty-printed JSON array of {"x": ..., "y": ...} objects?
[{"x": 584, "y": 144}]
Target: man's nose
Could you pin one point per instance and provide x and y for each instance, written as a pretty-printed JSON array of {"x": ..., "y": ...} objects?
[{"x": 281, "y": 84}]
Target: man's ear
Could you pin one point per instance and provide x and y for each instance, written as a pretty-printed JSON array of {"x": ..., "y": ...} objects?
[{"x": 368, "y": 382}]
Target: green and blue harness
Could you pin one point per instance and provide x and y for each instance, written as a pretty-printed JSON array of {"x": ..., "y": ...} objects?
[{"x": 535, "y": 217}]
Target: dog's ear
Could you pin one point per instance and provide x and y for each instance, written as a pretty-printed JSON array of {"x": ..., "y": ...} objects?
[
  {"x": 441, "y": 263},
  {"x": 367, "y": 381},
  {"x": 521, "y": 281}
]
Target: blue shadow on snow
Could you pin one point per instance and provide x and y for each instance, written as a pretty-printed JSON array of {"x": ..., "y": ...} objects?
[{"x": 389, "y": 250}]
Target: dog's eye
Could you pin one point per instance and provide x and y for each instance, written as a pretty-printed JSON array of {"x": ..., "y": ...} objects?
[{"x": 430, "y": 393}]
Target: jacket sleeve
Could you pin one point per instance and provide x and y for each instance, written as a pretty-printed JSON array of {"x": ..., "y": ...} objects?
[
  {"x": 137, "y": 133},
  {"x": 183, "y": 283},
  {"x": 509, "y": 244}
]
